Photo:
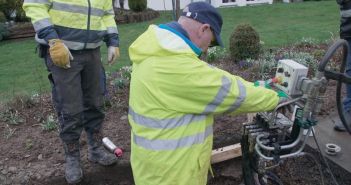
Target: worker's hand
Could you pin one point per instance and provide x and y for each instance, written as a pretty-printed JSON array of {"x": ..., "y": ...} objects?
[
  {"x": 112, "y": 54},
  {"x": 60, "y": 54}
]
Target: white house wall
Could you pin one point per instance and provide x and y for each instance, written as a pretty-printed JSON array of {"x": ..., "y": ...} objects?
[
  {"x": 160, "y": 4},
  {"x": 167, "y": 4}
]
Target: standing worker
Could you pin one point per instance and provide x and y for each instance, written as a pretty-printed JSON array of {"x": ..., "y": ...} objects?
[
  {"x": 74, "y": 32},
  {"x": 345, "y": 33},
  {"x": 174, "y": 96}
]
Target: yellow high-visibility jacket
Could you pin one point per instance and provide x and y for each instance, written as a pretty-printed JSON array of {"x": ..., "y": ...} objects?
[
  {"x": 173, "y": 98},
  {"x": 80, "y": 24}
]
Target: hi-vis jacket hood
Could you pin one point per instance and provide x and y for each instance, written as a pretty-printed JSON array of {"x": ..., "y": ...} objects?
[
  {"x": 173, "y": 97},
  {"x": 157, "y": 41}
]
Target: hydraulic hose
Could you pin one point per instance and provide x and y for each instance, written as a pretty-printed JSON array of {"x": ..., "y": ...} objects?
[
  {"x": 274, "y": 178},
  {"x": 340, "y": 77}
]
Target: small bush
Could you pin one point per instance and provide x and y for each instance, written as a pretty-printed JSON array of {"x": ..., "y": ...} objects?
[
  {"x": 13, "y": 8},
  {"x": 49, "y": 124},
  {"x": 268, "y": 62},
  {"x": 137, "y": 5},
  {"x": 3, "y": 31},
  {"x": 265, "y": 66},
  {"x": 215, "y": 53},
  {"x": 244, "y": 43},
  {"x": 11, "y": 117},
  {"x": 2, "y": 17},
  {"x": 9, "y": 132},
  {"x": 305, "y": 59},
  {"x": 29, "y": 144},
  {"x": 121, "y": 79}
]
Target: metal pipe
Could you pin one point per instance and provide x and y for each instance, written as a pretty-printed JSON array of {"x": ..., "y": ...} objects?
[
  {"x": 274, "y": 115},
  {"x": 282, "y": 147},
  {"x": 297, "y": 153}
]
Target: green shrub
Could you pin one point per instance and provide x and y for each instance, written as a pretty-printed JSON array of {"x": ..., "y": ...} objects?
[
  {"x": 264, "y": 66},
  {"x": 2, "y": 17},
  {"x": 10, "y": 7},
  {"x": 303, "y": 58},
  {"x": 49, "y": 124},
  {"x": 3, "y": 31},
  {"x": 21, "y": 15},
  {"x": 215, "y": 53},
  {"x": 11, "y": 117},
  {"x": 137, "y": 5},
  {"x": 244, "y": 43},
  {"x": 121, "y": 79}
]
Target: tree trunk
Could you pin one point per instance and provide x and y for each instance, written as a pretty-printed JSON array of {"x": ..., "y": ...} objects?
[
  {"x": 114, "y": 3},
  {"x": 121, "y": 4},
  {"x": 177, "y": 9}
]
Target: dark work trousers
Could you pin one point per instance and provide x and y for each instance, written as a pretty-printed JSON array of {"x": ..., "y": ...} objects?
[
  {"x": 77, "y": 94},
  {"x": 347, "y": 99}
]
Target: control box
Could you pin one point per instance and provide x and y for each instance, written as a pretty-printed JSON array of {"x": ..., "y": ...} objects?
[{"x": 288, "y": 73}]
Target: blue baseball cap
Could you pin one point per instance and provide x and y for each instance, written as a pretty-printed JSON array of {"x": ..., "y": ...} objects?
[{"x": 205, "y": 14}]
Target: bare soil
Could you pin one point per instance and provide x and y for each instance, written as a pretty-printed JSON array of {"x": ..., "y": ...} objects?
[{"x": 31, "y": 155}]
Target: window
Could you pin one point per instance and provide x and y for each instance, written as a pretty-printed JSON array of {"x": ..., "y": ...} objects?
[{"x": 228, "y": 1}]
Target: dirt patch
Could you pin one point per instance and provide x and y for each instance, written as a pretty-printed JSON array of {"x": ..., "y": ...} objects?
[{"x": 31, "y": 155}]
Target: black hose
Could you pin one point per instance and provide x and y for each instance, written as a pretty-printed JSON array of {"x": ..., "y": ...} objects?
[
  {"x": 341, "y": 107},
  {"x": 274, "y": 178},
  {"x": 248, "y": 174},
  {"x": 339, "y": 77},
  {"x": 325, "y": 160},
  {"x": 331, "y": 52},
  {"x": 319, "y": 166}
]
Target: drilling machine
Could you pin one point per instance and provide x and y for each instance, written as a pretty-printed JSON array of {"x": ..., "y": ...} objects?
[{"x": 274, "y": 136}]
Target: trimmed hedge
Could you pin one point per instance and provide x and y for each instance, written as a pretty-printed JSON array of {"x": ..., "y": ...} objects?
[
  {"x": 137, "y": 5},
  {"x": 244, "y": 43}
]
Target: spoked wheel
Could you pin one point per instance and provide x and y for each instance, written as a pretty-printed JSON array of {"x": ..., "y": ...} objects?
[{"x": 341, "y": 77}]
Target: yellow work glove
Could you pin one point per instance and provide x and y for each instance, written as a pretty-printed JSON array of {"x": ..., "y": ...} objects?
[
  {"x": 112, "y": 54},
  {"x": 60, "y": 54}
]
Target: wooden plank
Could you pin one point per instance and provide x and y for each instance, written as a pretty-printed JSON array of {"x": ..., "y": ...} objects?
[
  {"x": 231, "y": 151},
  {"x": 226, "y": 153}
]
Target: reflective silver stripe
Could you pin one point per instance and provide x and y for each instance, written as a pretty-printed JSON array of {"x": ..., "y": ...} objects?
[
  {"x": 165, "y": 123},
  {"x": 172, "y": 144},
  {"x": 112, "y": 30},
  {"x": 221, "y": 94},
  {"x": 110, "y": 12},
  {"x": 40, "y": 41},
  {"x": 40, "y": 24},
  {"x": 79, "y": 45},
  {"x": 240, "y": 99},
  {"x": 37, "y": 1},
  {"x": 77, "y": 9},
  {"x": 345, "y": 13}
]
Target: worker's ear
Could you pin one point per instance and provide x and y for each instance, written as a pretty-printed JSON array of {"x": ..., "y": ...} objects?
[{"x": 203, "y": 28}]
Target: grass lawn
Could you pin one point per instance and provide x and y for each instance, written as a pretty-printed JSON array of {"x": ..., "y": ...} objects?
[{"x": 22, "y": 72}]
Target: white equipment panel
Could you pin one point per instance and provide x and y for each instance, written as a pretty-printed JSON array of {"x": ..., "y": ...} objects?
[{"x": 288, "y": 72}]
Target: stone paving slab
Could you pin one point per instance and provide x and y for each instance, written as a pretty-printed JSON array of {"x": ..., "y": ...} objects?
[{"x": 325, "y": 133}]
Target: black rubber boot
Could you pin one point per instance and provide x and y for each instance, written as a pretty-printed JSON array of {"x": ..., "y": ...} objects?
[
  {"x": 339, "y": 126},
  {"x": 97, "y": 152},
  {"x": 73, "y": 171}
]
